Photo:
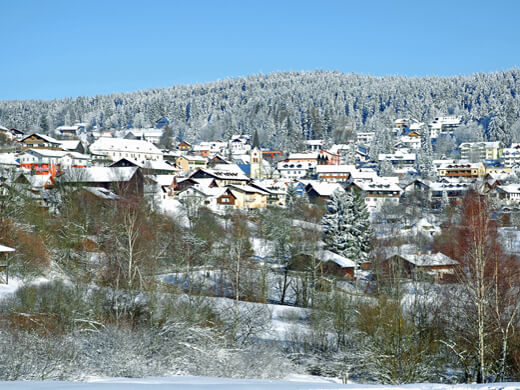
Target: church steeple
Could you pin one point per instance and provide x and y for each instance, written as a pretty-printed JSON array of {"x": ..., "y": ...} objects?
[
  {"x": 256, "y": 141},
  {"x": 255, "y": 155}
]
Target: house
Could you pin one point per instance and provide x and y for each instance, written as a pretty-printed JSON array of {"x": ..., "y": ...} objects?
[
  {"x": 272, "y": 154},
  {"x": 335, "y": 173},
  {"x": 411, "y": 140},
  {"x": 378, "y": 192},
  {"x": 399, "y": 159},
  {"x": 298, "y": 165},
  {"x": 239, "y": 144},
  {"x": 314, "y": 145},
  {"x": 161, "y": 123},
  {"x": 317, "y": 190},
  {"x": 337, "y": 265},
  {"x": 462, "y": 169},
  {"x": 276, "y": 196},
  {"x": 214, "y": 198},
  {"x": 124, "y": 181},
  {"x": 114, "y": 149},
  {"x": 184, "y": 146},
  {"x": 326, "y": 157},
  {"x": 189, "y": 163},
  {"x": 212, "y": 148},
  {"x": 444, "y": 125},
  {"x": 150, "y": 135},
  {"x": 480, "y": 151},
  {"x": 406, "y": 265},
  {"x": 448, "y": 190},
  {"x": 223, "y": 175},
  {"x": 149, "y": 167},
  {"x": 71, "y": 131},
  {"x": 248, "y": 197},
  {"x": 511, "y": 155},
  {"x": 73, "y": 146},
  {"x": 509, "y": 193},
  {"x": 365, "y": 137},
  {"x": 40, "y": 141},
  {"x": 50, "y": 161}
]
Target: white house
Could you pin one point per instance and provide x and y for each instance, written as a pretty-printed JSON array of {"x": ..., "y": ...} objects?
[{"x": 117, "y": 148}]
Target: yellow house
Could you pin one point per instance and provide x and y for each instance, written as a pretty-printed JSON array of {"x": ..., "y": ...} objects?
[
  {"x": 248, "y": 197},
  {"x": 190, "y": 163},
  {"x": 461, "y": 170}
]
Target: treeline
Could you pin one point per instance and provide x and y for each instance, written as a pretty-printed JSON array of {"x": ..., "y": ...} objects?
[{"x": 292, "y": 106}]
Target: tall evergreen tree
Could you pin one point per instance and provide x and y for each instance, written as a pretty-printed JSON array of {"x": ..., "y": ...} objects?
[{"x": 346, "y": 226}]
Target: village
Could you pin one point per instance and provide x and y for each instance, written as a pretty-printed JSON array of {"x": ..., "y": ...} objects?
[
  {"x": 340, "y": 229},
  {"x": 239, "y": 174}
]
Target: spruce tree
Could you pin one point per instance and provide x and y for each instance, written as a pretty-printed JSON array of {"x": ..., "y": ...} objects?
[{"x": 346, "y": 226}]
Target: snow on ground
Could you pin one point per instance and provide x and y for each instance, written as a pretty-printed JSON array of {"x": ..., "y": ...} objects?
[
  {"x": 206, "y": 383},
  {"x": 6, "y": 289}
]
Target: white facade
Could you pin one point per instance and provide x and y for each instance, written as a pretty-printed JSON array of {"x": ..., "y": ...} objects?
[{"x": 118, "y": 148}]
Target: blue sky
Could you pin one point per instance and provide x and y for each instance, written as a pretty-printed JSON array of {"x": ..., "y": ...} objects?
[{"x": 55, "y": 49}]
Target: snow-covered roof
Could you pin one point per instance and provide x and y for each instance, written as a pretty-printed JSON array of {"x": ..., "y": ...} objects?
[
  {"x": 158, "y": 165},
  {"x": 70, "y": 144},
  {"x": 379, "y": 185},
  {"x": 226, "y": 174},
  {"x": 4, "y": 248},
  {"x": 123, "y": 145},
  {"x": 513, "y": 188},
  {"x": 102, "y": 193},
  {"x": 335, "y": 168},
  {"x": 162, "y": 180},
  {"x": 98, "y": 174},
  {"x": 325, "y": 189},
  {"x": 461, "y": 165},
  {"x": 246, "y": 188},
  {"x": 338, "y": 259},
  {"x": 314, "y": 142},
  {"x": 55, "y": 153},
  {"x": 194, "y": 158},
  {"x": 303, "y": 156},
  {"x": 494, "y": 144},
  {"x": 429, "y": 260},
  {"x": 399, "y": 155}
]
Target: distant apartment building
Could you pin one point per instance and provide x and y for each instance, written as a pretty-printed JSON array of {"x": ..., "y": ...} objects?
[
  {"x": 378, "y": 192},
  {"x": 480, "y": 151},
  {"x": 511, "y": 155},
  {"x": 365, "y": 137},
  {"x": 399, "y": 159},
  {"x": 444, "y": 125}
]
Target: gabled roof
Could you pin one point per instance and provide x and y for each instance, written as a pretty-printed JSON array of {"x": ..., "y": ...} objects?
[
  {"x": 428, "y": 260},
  {"x": 124, "y": 145},
  {"x": 342, "y": 261},
  {"x": 102, "y": 193},
  {"x": 323, "y": 189},
  {"x": 247, "y": 189},
  {"x": 6, "y": 249},
  {"x": 44, "y": 137},
  {"x": 97, "y": 174}
]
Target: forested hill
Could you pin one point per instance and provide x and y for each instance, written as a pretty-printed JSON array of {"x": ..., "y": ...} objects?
[{"x": 291, "y": 106}]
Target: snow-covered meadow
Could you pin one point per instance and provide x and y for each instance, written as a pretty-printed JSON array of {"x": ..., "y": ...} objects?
[{"x": 207, "y": 383}]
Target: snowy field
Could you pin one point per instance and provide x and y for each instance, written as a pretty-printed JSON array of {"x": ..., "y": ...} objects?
[{"x": 203, "y": 383}]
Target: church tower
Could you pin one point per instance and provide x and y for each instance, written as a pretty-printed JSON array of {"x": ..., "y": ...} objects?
[{"x": 255, "y": 154}]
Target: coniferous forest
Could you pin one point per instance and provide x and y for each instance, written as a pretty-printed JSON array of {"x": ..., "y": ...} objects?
[{"x": 321, "y": 104}]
